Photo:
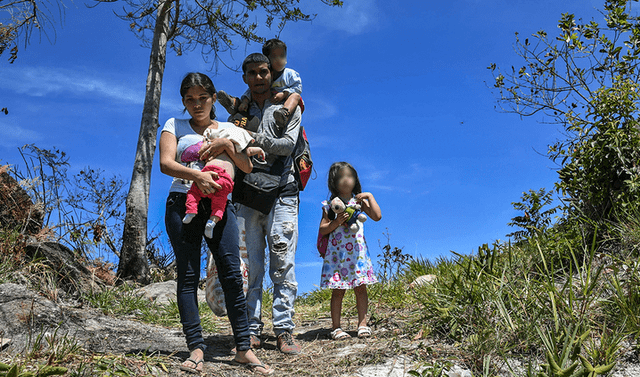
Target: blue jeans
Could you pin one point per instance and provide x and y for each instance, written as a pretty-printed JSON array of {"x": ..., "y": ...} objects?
[
  {"x": 280, "y": 228},
  {"x": 186, "y": 240}
]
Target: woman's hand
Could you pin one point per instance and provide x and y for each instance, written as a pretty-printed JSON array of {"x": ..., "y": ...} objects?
[
  {"x": 206, "y": 182},
  {"x": 212, "y": 149}
]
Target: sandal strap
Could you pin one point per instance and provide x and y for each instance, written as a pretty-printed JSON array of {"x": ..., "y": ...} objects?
[
  {"x": 339, "y": 333},
  {"x": 364, "y": 329},
  {"x": 195, "y": 362}
]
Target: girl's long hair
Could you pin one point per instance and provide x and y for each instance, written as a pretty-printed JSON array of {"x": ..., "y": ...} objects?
[
  {"x": 334, "y": 172},
  {"x": 194, "y": 79}
]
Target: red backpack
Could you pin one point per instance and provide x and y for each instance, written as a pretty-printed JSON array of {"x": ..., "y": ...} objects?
[{"x": 302, "y": 160}]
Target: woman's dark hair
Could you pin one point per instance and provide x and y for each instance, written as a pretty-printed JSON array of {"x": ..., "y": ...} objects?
[
  {"x": 334, "y": 173},
  {"x": 194, "y": 79},
  {"x": 272, "y": 44}
]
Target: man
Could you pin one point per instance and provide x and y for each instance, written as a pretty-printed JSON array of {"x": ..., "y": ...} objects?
[{"x": 280, "y": 226}]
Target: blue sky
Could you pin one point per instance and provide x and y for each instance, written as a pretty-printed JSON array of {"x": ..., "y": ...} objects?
[{"x": 399, "y": 89}]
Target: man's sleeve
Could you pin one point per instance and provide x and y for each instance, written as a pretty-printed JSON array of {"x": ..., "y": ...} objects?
[{"x": 281, "y": 146}]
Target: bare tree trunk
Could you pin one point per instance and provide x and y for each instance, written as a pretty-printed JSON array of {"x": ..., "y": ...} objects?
[{"x": 133, "y": 258}]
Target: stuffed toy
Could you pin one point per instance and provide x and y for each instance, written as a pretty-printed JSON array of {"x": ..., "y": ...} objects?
[{"x": 356, "y": 215}]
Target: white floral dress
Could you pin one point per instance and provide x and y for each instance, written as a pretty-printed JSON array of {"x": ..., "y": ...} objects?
[{"x": 347, "y": 263}]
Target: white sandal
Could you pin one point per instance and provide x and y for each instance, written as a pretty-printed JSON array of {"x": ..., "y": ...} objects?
[
  {"x": 364, "y": 332},
  {"x": 339, "y": 334}
]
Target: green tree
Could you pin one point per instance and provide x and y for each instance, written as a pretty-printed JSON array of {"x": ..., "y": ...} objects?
[
  {"x": 535, "y": 218},
  {"x": 586, "y": 80},
  {"x": 213, "y": 26}
]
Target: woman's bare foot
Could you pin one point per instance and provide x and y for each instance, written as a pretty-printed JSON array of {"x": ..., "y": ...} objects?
[
  {"x": 194, "y": 363},
  {"x": 249, "y": 359}
]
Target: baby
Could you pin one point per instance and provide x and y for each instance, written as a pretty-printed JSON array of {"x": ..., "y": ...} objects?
[
  {"x": 224, "y": 166},
  {"x": 286, "y": 86}
]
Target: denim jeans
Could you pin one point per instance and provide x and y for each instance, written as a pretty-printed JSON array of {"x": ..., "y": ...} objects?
[
  {"x": 280, "y": 228},
  {"x": 186, "y": 240}
]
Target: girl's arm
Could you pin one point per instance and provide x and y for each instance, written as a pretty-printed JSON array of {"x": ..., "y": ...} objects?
[
  {"x": 169, "y": 166},
  {"x": 369, "y": 205},
  {"x": 327, "y": 226}
]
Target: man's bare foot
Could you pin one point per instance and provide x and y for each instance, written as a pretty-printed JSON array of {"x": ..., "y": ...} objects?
[
  {"x": 194, "y": 363},
  {"x": 251, "y": 361}
]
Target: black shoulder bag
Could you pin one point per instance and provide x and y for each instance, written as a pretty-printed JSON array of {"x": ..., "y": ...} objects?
[{"x": 259, "y": 189}]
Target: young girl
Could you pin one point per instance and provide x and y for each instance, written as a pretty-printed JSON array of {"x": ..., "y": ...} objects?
[{"x": 347, "y": 264}]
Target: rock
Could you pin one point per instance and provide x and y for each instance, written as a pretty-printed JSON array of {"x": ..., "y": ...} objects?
[
  {"x": 457, "y": 371},
  {"x": 16, "y": 208},
  {"x": 164, "y": 292},
  {"x": 422, "y": 280},
  {"x": 25, "y": 314},
  {"x": 22, "y": 311},
  {"x": 396, "y": 367},
  {"x": 73, "y": 277}
]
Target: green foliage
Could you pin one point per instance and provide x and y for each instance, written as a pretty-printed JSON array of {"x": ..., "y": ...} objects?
[
  {"x": 585, "y": 79},
  {"x": 532, "y": 302},
  {"x": 125, "y": 301},
  {"x": 535, "y": 219},
  {"x": 15, "y": 371},
  {"x": 213, "y": 26}
]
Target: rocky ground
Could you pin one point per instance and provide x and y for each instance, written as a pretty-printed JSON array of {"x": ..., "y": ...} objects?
[{"x": 25, "y": 314}]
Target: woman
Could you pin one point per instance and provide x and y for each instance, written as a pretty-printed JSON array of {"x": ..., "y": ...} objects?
[{"x": 179, "y": 160}]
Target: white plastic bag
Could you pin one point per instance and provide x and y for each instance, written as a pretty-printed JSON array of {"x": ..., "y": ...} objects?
[{"x": 213, "y": 289}]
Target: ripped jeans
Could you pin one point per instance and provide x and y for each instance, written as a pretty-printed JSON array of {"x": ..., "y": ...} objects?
[{"x": 280, "y": 228}]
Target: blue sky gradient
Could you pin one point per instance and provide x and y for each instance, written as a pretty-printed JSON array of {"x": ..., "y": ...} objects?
[{"x": 399, "y": 89}]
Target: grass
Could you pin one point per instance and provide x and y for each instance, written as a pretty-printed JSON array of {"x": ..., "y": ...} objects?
[{"x": 551, "y": 305}]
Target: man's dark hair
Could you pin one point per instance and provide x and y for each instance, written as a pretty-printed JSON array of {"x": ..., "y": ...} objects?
[
  {"x": 272, "y": 44},
  {"x": 256, "y": 57}
]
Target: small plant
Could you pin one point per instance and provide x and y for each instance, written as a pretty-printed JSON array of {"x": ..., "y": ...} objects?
[
  {"x": 16, "y": 371},
  {"x": 535, "y": 218},
  {"x": 393, "y": 260}
]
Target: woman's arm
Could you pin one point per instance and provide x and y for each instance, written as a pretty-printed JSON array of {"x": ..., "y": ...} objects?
[
  {"x": 327, "y": 226},
  {"x": 217, "y": 146},
  {"x": 369, "y": 205},
  {"x": 214, "y": 148},
  {"x": 169, "y": 166}
]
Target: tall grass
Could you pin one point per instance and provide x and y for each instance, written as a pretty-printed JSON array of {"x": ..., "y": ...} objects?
[{"x": 555, "y": 308}]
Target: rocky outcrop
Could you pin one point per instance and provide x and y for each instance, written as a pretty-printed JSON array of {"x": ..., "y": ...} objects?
[
  {"x": 422, "y": 280},
  {"x": 72, "y": 276},
  {"x": 17, "y": 211},
  {"x": 24, "y": 315},
  {"x": 164, "y": 292}
]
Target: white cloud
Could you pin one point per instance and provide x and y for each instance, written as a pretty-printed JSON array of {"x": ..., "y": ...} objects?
[
  {"x": 309, "y": 264},
  {"x": 45, "y": 81},
  {"x": 12, "y": 136},
  {"x": 354, "y": 17},
  {"x": 49, "y": 81},
  {"x": 322, "y": 109}
]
